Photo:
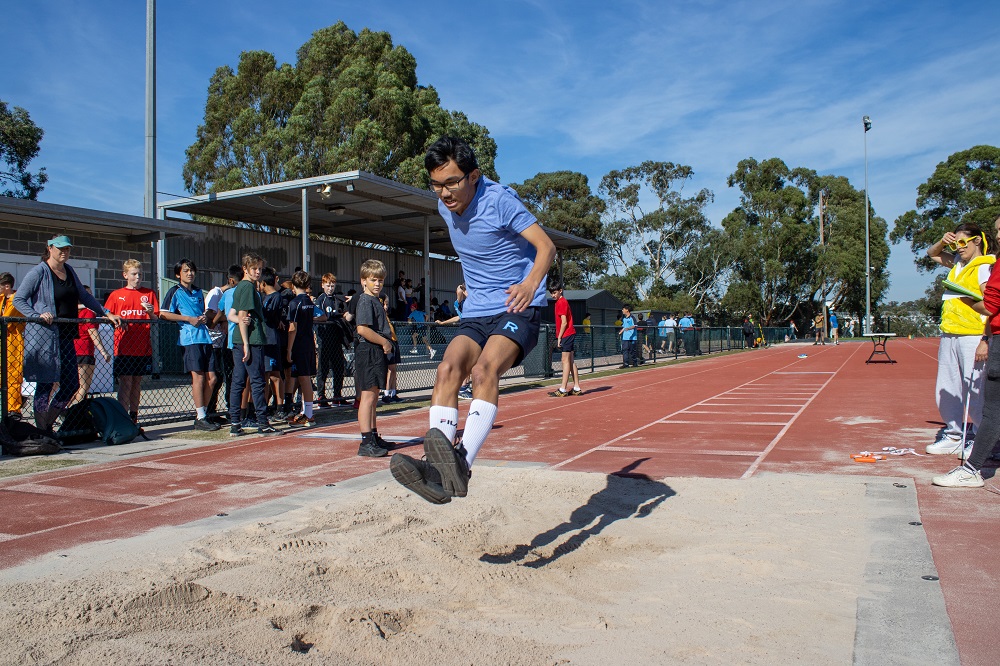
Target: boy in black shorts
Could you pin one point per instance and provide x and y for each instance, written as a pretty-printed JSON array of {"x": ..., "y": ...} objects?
[
  {"x": 372, "y": 342},
  {"x": 505, "y": 257},
  {"x": 301, "y": 357}
]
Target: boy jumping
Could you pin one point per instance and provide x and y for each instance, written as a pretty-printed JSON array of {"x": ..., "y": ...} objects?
[{"x": 505, "y": 257}]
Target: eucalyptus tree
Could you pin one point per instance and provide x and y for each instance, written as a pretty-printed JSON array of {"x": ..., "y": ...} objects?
[{"x": 19, "y": 144}]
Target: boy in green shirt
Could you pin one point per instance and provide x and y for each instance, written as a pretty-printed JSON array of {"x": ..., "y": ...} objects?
[{"x": 248, "y": 347}]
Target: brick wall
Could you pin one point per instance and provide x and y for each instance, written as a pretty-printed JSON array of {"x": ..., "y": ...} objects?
[{"x": 108, "y": 250}]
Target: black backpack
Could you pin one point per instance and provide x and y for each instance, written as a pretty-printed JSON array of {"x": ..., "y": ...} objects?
[
  {"x": 102, "y": 419},
  {"x": 20, "y": 438}
]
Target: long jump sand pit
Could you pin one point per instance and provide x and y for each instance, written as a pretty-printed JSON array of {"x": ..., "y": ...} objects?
[{"x": 535, "y": 567}]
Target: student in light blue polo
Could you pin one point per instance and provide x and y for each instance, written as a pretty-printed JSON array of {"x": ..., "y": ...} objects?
[
  {"x": 629, "y": 337},
  {"x": 185, "y": 304}
]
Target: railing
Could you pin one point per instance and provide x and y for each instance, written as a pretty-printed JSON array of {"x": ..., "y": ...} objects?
[{"x": 166, "y": 389}]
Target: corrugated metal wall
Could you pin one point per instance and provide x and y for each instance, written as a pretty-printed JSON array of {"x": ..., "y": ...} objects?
[{"x": 223, "y": 246}]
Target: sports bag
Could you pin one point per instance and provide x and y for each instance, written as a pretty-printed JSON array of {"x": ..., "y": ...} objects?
[{"x": 20, "y": 438}]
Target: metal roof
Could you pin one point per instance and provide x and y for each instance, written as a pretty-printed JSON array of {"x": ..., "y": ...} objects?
[
  {"x": 354, "y": 205},
  {"x": 135, "y": 228}
]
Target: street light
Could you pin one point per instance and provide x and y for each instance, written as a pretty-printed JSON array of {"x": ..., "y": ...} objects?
[
  {"x": 868, "y": 262},
  {"x": 824, "y": 197}
]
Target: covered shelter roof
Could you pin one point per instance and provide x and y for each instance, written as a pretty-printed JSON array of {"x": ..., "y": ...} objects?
[
  {"x": 134, "y": 228},
  {"x": 354, "y": 205}
]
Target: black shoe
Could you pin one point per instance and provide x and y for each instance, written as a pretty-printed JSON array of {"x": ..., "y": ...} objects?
[
  {"x": 266, "y": 428},
  {"x": 420, "y": 477},
  {"x": 236, "y": 431},
  {"x": 623, "y": 367},
  {"x": 372, "y": 450},
  {"x": 449, "y": 461},
  {"x": 388, "y": 446},
  {"x": 205, "y": 424}
]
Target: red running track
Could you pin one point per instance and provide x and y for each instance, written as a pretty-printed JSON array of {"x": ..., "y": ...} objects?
[{"x": 727, "y": 417}]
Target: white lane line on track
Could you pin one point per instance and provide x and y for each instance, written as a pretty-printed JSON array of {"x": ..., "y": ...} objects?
[
  {"x": 777, "y": 438},
  {"x": 645, "y": 387},
  {"x": 639, "y": 449}
]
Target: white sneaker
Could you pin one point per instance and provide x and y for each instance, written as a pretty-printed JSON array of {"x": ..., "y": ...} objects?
[
  {"x": 413, "y": 351},
  {"x": 960, "y": 477},
  {"x": 945, "y": 446},
  {"x": 434, "y": 352}
]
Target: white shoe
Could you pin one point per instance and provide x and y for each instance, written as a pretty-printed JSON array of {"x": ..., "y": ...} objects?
[
  {"x": 413, "y": 351},
  {"x": 960, "y": 477},
  {"x": 434, "y": 352},
  {"x": 945, "y": 446}
]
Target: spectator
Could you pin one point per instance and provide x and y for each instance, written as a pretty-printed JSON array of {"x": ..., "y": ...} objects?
[
  {"x": 629, "y": 335},
  {"x": 301, "y": 355},
  {"x": 445, "y": 311},
  {"x": 276, "y": 335},
  {"x": 818, "y": 329},
  {"x": 133, "y": 349},
  {"x": 834, "y": 332},
  {"x": 330, "y": 340},
  {"x": 565, "y": 341},
  {"x": 185, "y": 304},
  {"x": 249, "y": 339},
  {"x": 372, "y": 345},
  {"x": 402, "y": 308},
  {"x": 418, "y": 320},
  {"x": 671, "y": 326},
  {"x": 52, "y": 289},
  {"x": 390, "y": 394},
  {"x": 748, "y": 333},
  {"x": 690, "y": 334},
  {"x": 218, "y": 302},
  {"x": 15, "y": 344},
  {"x": 793, "y": 330},
  {"x": 88, "y": 340}
]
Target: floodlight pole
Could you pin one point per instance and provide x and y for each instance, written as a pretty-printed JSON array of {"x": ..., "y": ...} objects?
[
  {"x": 866, "y": 121},
  {"x": 822, "y": 208}
]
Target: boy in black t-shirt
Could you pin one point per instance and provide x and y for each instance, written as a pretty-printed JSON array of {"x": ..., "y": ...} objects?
[
  {"x": 301, "y": 349},
  {"x": 330, "y": 341},
  {"x": 372, "y": 342}
]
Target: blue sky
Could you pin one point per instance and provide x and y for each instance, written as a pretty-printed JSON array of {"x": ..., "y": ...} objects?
[{"x": 585, "y": 86}]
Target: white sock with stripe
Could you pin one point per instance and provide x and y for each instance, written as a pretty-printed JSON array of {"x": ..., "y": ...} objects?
[
  {"x": 445, "y": 419},
  {"x": 478, "y": 424}
]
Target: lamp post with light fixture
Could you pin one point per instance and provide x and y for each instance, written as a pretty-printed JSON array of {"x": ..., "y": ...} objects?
[{"x": 868, "y": 260}]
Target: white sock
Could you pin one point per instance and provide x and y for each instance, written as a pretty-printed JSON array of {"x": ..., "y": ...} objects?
[
  {"x": 392, "y": 393},
  {"x": 307, "y": 409},
  {"x": 478, "y": 424},
  {"x": 445, "y": 419},
  {"x": 201, "y": 412}
]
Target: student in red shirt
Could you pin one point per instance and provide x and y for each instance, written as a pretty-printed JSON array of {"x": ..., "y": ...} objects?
[
  {"x": 133, "y": 350},
  {"x": 565, "y": 339},
  {"x": 85, "y": 344}
]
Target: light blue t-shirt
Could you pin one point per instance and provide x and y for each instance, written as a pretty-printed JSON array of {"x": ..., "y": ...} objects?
[
  {"x": 628, "y": 333},
  {"x": 494, "y": 254},
  {"x": 225, "y": 305},
  {"x": 418, "y": 316},
  {"x": 189, "y": 304}
]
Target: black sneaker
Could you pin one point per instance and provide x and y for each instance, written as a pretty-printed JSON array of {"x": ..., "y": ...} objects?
[
  {"x": 372, "y": 450},
  {"x": 205, "y": 424},
  {"x": 420, "y": 477},
  {"x": 236, "y": 431},
  {"x": 266, "y": 429},
  {"x": 449, "y": 461},
  {"x": 387, "y": 445}
]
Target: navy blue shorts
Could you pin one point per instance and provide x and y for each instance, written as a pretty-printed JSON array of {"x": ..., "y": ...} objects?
[
  {"x": 568, "y": 343},
  {"x": 199, "y": 358},
  {"x": 521, "y": 327},
  {"x": 303, "y": 362},
  {"x": 274, "y": 361}
]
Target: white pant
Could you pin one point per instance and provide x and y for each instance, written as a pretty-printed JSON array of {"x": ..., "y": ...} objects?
[{"x": 958, "y": 375}]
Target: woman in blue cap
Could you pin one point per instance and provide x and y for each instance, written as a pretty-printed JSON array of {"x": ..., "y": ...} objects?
[{"x": 49, "y": 291}]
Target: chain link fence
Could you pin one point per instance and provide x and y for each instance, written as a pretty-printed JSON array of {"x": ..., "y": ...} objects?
[{"x": 166, "y": 388}]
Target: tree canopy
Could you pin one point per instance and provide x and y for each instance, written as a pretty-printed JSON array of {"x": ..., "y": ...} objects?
[
  {"x": 562, "y": 200},
  {"x": 350, "y": 102},
  {"x": 646, "y": 245},
  {"x": 19, "y": 144},
  {"x": 963, "y": 188}
]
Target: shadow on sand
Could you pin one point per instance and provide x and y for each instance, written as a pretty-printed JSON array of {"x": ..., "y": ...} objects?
[{"x": 627, "y": 495}]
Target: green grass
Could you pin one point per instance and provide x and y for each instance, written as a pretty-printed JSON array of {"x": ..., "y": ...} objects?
[{"x": 32, "y": 464}]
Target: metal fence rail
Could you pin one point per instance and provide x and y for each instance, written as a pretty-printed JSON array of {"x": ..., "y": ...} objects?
[{"x": 166, "y": 389}]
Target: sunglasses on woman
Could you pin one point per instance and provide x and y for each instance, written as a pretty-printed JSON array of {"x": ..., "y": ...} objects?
[{"x": 960, "y": 243}]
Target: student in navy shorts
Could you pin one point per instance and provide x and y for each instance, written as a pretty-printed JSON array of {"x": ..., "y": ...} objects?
[
  {"x": 505, "y": 257},
  {"x": 301, "y": 354}
]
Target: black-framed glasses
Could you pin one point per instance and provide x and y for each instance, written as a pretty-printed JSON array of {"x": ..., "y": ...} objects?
[{"x": 450, "y": 186}]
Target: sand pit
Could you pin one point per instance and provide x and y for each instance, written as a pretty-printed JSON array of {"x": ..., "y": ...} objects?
[{"x": 534, "y": 567}]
